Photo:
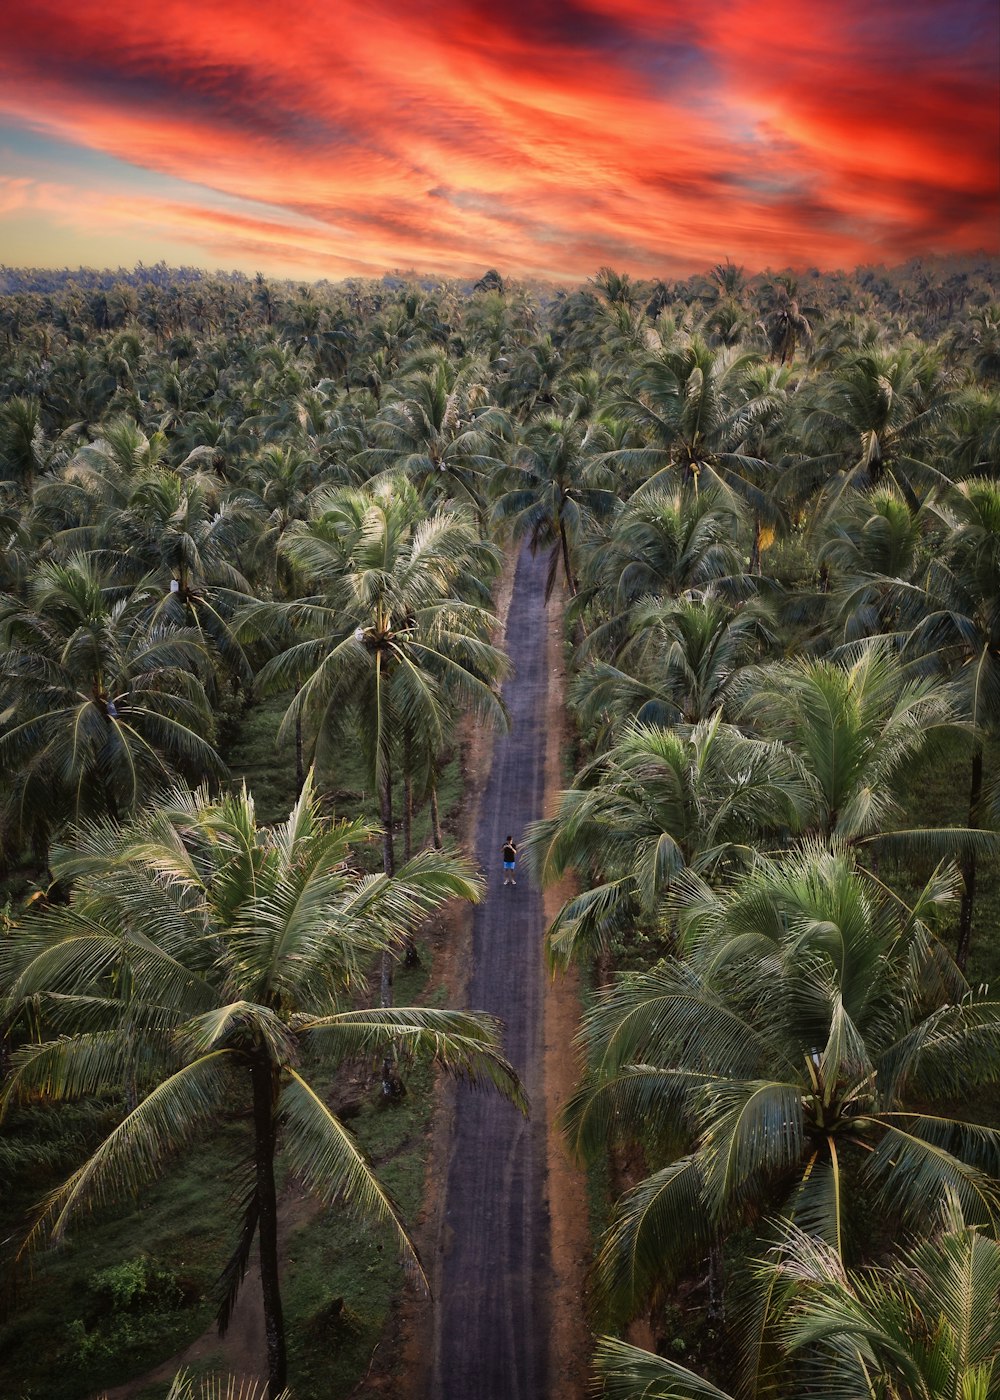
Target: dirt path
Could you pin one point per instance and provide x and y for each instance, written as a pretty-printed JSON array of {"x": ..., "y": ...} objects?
[{"x": 498, "y": 1292}]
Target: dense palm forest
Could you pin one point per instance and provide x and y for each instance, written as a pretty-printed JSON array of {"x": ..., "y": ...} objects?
[{"x": 252, "y": 534}]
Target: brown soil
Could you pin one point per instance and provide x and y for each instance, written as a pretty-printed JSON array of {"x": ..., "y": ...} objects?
[{"x": 569, "y": 1341}]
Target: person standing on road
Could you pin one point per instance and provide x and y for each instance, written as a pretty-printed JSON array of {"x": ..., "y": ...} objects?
[{"x": 509, "y": 860}]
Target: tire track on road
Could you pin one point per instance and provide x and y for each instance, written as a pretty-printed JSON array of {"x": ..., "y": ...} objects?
[{"x": 492, "y": 1332}]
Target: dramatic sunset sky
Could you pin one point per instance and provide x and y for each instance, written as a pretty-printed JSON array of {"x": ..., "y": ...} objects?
[{"x": 543, "y": 137}]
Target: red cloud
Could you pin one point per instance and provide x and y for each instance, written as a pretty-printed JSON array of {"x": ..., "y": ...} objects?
[{"x": 544, "y": 137}]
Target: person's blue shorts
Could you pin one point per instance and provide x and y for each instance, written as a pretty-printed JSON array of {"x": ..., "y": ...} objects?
[{"x": 508, "y": 865}]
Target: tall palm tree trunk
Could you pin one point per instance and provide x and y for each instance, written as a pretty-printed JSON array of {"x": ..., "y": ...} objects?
[
  {"x": 969, "y": 863},
  {"x": 262, "y": 1078},
  {"x": 392, "y": 1086},
  {"x": 389, "y": 869},
  {"x": 716, "y": 1283},
  {"x": 436, "y": 836},
  {"x": 411, "y": 957},
  {"x": 567, "y": 570},
  {"x": 407, "y": 793},
  {"x": 300, "y": 768}
]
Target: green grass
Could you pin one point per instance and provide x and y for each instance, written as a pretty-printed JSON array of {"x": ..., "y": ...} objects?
[{"x": 64, "y": 1339}]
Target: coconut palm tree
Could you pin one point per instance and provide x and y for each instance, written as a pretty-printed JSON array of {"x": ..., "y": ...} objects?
[
  {"x": 278, "y": 483},
  {"x": 188, "y": 534},
  {"x": 662, "y": 543},
  {"x": 856, "y": 725},
  {"x": 959, "y": 634},
  {"x": 25, "y": 450},
  {"x": 783, "y": 322},
  {"x": 552, "y": 491},
  {"x": 204, "y": 961},
  {"x": 683, "y": 660},
  {"x": 658, "y": 803},
  {"x": 438, "y": 429},
  {"x": 390, "y": 635},
  {"x": 387, "y": 644},
  {"x": 925, "y": 1327},
  {"x": 790, "y": 1066},
  {"x": 183, "y": 528},
  {"x": 617, "y": 288},
  {"x": 97, "y": 704},
  {"x": 79, "y": 505},
  {"x": 870, "y": 423},
  {"x": 870, "y": 544},
  {"x": 693, "y": 408}
]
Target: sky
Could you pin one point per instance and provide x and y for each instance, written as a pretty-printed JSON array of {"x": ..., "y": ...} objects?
[{"x": 312, "y": 140}]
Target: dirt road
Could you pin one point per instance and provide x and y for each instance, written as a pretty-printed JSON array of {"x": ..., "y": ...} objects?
[{"x": 492, "y": 1324}]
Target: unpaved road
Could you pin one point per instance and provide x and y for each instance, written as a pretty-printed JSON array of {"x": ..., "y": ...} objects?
[{"x": 495, "y": 1282}]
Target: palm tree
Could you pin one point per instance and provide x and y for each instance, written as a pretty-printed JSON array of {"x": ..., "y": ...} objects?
[
  {"x": 183, "y": 528},
  {"x": 927, "y": 1327},
  {"x": 774, "y": 1072},
  {"x": 390, "y": 642},
  {"x": 188, "y": 534},
  {"x": 25, "y": 451},
  {"x": 533, "y": 378},
  {"x": 551, "y": 492},
  {"x": 97, "y": 705},
  {"x": 856, "y": 725},
  {"x": 203, "y": 960},
  {"x": 872, "y": 423},
  {"x": 783, "y": 322},
  {"x": 662, "y": 543},
  {"x": 616, "y": 287},
  {"x": 959, "y": 634},
  {"x": 657, "y": 803},
  {"x": 280, "y": 479},
  {"x": 683, "y": 660},
  {"x": 439, "y": 430},
  {"x": 693, "y": 408},
  {"x": 871, "y": 543},
  {"x": 80, "y": 504}
]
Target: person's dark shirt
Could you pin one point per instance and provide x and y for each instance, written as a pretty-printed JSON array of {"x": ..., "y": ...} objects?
[{"x": 509, "y": 851}]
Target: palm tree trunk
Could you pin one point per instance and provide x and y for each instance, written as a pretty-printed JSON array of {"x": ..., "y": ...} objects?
[
  {"x": 755, "y": 549},
  {"x": 435, "y": 815},
  {"x": 969, "y": 863},
  {"x": 564, "y": 542},
  {"x": 407, "y": 794},
  {"x": 392, "y": 1086},
  {"x": 262, "y": 1078},
  {"x": 300, "y": 770},
  {"x": 716, "y": 1283},
  {"x": 411, "y": 957},
  {"x": 389, "y": 869}
]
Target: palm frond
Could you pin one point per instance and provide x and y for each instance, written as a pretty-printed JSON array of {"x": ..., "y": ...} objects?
[
  {"x": 625, "y": 1372},
  {"x": 324, "y": 1155}
]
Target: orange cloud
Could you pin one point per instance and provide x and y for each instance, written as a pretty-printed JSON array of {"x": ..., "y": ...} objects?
[{"x": 544, "y": 137}]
